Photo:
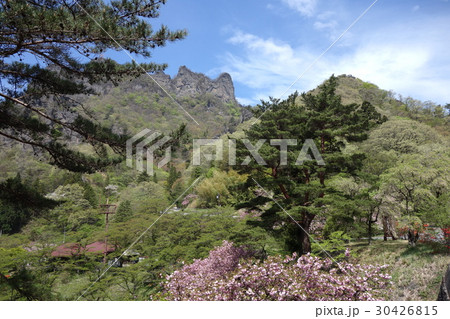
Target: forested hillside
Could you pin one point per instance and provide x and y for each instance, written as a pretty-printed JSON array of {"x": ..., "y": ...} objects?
[
  {"x": 395, "y": 183},
  {"x": 340, "y": 193}
]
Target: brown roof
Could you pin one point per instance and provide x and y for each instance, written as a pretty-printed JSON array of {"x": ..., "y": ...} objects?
[{"x": 73, "y": 249}]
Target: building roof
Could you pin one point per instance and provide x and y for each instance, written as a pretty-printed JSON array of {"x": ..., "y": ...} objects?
[{"x": 74, "y": 249}]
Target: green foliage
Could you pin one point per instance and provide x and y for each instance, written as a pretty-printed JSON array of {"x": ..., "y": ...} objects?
[
  {"x": 333, "y": 246},
  {"x": 222, "y": 188},
  {"x": 402, "y": 136},
  {"x": 418, "y": 187},
  {"x": 354, "y": 90},
  {"x": 419, "y": 180},
  {"x": 323, "y": 118},
  {"x": 162, "y": 114},
  {"x": 18, "y": 203},
  {"x": 124, "y": 212},
  {"x": 143, "y": 177},
  {"x": 355, "y": 205},
  {"x": 18, "y": 281},
  {"x": 191, "y": 236},
  {"x": 347, "y": 215},
  {"x": 179, "y": 238},
  {"x": 175, "y": 184},
  {"x": 347, "y": 199},
  {"x": 368, "y": 86},
  {"x": 89, "y": 195},
  {"x": 196, "y": 172},
  {"x": 69, "y": 63},
  {"x": 173, "y": 176},
  {"x": 74, "y": 210},
  {"x": 438, "y": 211},
  {"x": 146, "y": 197},
  {"x": 11, "y": 259}
]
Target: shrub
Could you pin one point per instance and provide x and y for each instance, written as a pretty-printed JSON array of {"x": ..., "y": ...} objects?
[
  {"x": 230, "y": 273},
  {"x": 334, "y": 246},
  {"x": 220, "y": 189}
]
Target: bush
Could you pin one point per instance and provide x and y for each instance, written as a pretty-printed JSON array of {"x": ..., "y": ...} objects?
[
  {"x": 229, "y": 273},
  {"x": 220, "y": 189},
  {"x": 334, "y": 246}
]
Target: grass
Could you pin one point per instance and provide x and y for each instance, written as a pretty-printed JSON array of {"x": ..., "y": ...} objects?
[{"x": 416, "y": 271}]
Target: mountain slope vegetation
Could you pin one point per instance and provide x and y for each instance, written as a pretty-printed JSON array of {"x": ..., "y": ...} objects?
[{"x": 398, "y": 188}]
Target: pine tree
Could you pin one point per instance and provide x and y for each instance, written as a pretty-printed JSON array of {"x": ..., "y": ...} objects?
[
  {"x": 143, "y": 177},
  {"x": 173, "y": 176},
  {"x": 90, "y": 195},
  {"x": 124, "y": 212},
  {"x": 67, "y": 39},
  {"x": 18, "y": 203},
  {"x": 301, "y": 187}
]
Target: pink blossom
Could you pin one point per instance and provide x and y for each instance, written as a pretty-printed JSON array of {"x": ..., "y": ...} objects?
[{"x": 231, "y": 273}]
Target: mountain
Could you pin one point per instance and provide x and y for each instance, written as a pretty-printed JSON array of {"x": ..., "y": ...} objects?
[
  {"x": 208, "y": 213},
  {"x": 191, "y": 84},
  {"x": 159, "y": 102},
  {"x": 391, "y": 104},
  {"x": 140, "y": 103}
]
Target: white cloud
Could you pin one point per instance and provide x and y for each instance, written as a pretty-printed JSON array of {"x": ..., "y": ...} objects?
[
  {"x": 326, "y": 22},
  {"x": 245, "y": 101},
  {"x": 326, "y": 15},
  {"x": 387, "y": 65},
  {"x": 330, "y": 25},
  {"x": 267, "y": 66},
  {"x": 305, "y": 7},
  {"x": 409, "y": 61},
  {"x": 415, "y": 8}
]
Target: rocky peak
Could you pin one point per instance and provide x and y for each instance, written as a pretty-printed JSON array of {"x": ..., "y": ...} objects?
[{"x": 189, "y": 83}]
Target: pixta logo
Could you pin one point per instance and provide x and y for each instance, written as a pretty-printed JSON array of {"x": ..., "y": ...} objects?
[
  {"x": 213, "y": 150},
  {"x": 150, "y": 142},
  {"x": 147, "y": 143}
]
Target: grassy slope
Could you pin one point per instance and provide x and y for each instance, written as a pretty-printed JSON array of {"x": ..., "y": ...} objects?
[{"x": 416, "y": 272}]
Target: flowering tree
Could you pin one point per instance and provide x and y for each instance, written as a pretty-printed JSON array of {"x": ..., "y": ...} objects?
[
  {"x": 229, "y": 273},
  {"x": 188, "y": 199}
]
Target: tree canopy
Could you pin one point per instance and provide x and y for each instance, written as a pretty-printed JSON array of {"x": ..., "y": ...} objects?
[
  {"x": 51, "y": 51},
  {"x": 300, "y": 186}
]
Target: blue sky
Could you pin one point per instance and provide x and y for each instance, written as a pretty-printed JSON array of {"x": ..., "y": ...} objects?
[{"x": 400, "y": 45}]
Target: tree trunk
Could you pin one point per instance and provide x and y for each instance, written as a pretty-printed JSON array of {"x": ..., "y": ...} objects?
[
  {"x": 370, "y": 222},
  {"x": 385, "y": 228},
  {"x": 413, "y": 237},
  {"x": 304, "y": 242},
  {"x": 284, "y": 191},
  {"x": 281, "y": 186},
  {"x": 388, "y": 229}
]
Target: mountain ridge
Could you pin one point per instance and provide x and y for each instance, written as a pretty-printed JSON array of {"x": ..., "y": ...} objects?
[{"x": 189, "y": 83}]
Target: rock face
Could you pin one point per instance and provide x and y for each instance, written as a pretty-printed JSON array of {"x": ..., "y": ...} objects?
[{"x": 188, "y": 83}]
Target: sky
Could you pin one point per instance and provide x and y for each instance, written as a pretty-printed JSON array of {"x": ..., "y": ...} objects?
[{"x": 275, "y": 47}]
